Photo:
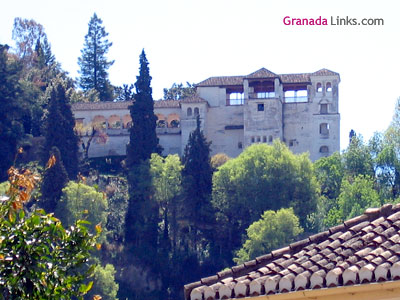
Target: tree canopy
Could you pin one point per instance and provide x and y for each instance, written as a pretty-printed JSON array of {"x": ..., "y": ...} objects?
[
  {"x": 263, "y": 177},
  {"x": 272, "y": 231},
  {"x": 93, "y": 62}
]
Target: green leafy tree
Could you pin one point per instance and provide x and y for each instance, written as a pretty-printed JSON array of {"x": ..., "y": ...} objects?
[
  {"x": 94, "y": 63},
  {"x": 356, "y": 195},
  {"x": 82, "y": 201},
  {"x": 143, "y": 140},
  {"x": 11, "y": 110},
  {"x": 272, "y": 231},
  {"x": 59, "y": 127},
  {"x": 218, "y": 160},
  {"x": 55, "y": 178},
  {"x": 104, "y": 283},
  {"x": 167, "y": 179},
  {"x": 263, "y": 177},
  {"x": 40, "y": 259},
  {"x": 177, "y": 91},
  {"x": 329, "y": 172},
  {"x": 358, "y": 158}
]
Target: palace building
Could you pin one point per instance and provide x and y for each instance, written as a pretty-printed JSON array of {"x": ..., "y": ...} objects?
[{"x": 302, "y": 110}]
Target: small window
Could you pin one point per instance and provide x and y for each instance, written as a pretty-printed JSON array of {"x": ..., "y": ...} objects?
[
  {"x": 324, "y": 128},
  {"x": 264, "y": 139},
  {"x": 240, "y": 145},
  {"x": 252, "y": 139},
  {"x": 319, "y": 87},
  {"x": 175, "y": 123},
  {"x": 324, "y": 108},
  {"x": 189, "y": 112},
  {"x": 270, "y": 139},
  {"x": 196, "y": 111},
  {"x": 258, "y": 139},
  {"x": 291, "y": 143},
  {"x": 260, "y": 107},
  {"x": 324, "y": 149},
  {"x": 328, "y": 87}
]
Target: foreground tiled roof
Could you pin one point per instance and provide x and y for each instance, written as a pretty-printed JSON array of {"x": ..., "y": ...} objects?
[
  {"x": 264, "y": 73},
  {"x": 362, "y": 250}
]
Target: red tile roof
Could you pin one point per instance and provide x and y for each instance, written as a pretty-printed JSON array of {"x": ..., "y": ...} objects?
[
  {"x": 121, "y": 105},
  {"x": 193, "y": 99},
  {"x": 166, "y": 103},
  {"x": 264, "y": 73},
  {"x": 103, "y": 105},
  {"x": 361, "y": 250}
]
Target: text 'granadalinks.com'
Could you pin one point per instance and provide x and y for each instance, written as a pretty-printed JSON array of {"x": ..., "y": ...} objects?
[{"x": 333, "y": 21}]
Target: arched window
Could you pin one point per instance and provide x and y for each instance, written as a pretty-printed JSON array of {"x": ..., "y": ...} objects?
[
  {"x": 189, "y": 112},
  {"x": 319, "y": 87},
  {"x": 99, "y": 122},
  {"x": 328, "y": 87},
  {"x": 161, "y": 123},
  {"x": 174, "y": 124},
  {"x": 114, "y": 122},
  {"x": 125, "y": 120},
  {"x": 324, "y": 149},
  {"x": 324, "y": 128},
  {"x": 196, "y": 111}
]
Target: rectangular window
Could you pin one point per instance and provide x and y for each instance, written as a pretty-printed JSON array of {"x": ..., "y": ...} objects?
[
  {"x": 260, "y": 107},
  {"x": 265, "y": 95},
  {"x": 299, "y": 96},
  {"x": 236, "y": 99},
  {"x": 324, "y": 109}
]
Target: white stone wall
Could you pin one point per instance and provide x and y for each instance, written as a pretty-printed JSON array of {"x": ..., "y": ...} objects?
[{"x": 232, "y": 128}]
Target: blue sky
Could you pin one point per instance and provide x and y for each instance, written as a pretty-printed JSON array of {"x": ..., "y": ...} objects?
[{"x": 189, "y": 40}]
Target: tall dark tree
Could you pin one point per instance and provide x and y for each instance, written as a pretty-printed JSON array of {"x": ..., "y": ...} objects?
[
  {"x": 141, "y": 225},
  {"x": 143, "y": 139},
  {"x": 59, "y": 129},
  {"x": 55, "y": 178},
  {"x": 94, "y": 63},
  {"x": 11, "y": 129},
  {"x": 197, "y": 178}
]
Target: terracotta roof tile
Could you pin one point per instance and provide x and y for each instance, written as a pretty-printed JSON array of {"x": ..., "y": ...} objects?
[
  {"x": 193, "y": 99},
  {"x": 121, "y": 105},
  {"x": 263, "y": 73},
  {"x": 362, "y": 250}
]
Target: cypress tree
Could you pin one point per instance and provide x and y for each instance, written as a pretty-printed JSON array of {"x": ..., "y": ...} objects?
[
  {"x": 141, "y": 224},
  {"x": 55, "y": 178},
  {"x": 93, "y": 62},
  {"x": 59, "y": 129},
  {"x": 197, "y": 178},
  {"x": 143, "y": 139}
]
